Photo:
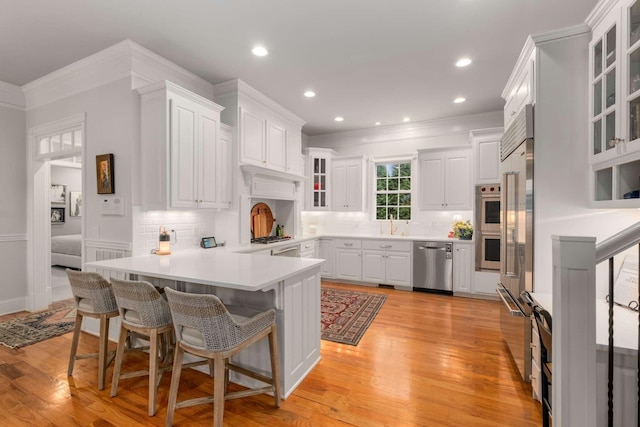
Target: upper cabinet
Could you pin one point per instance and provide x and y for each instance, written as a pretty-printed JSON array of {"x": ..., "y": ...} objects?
[
  {"x": 318, "y": 186},
  {"x": 348, "y": 181},
  {"x": 486, "y": 154},
  {"x": 269, "y": 136},
  {"x": 520, "y": 92},
  {"x": 180, "y": 144},
  {"x": 614, "y": 113},
  {"x": 445, "y": 179}
]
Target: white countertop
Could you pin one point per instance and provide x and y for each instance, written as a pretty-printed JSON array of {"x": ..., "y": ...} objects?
[
  {"x": 213, "y": 267},
  {"x": 625, "y": 323}
]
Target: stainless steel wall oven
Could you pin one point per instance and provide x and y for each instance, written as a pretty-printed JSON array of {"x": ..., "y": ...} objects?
[{"x": 488, "y": 227}]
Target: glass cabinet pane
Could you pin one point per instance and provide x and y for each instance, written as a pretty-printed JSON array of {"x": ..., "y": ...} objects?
[
  {"x": 316, "y": 165},
  {"x": 634, "y": 119},
  {"x": 597, "y": 98},
  {"x": 611, "y": 46},
  {"x": 611, "y": 88},
  {"x": 597, "y": 137},
  {"x": 634, "y": 71},
  {"x": 322, "y": 182},
  {"x": 323, "y": 166},
  {"x": 610, "y": 131},
  {"x": 634, "y": 23},
  {"x": 597, "y": 59}
]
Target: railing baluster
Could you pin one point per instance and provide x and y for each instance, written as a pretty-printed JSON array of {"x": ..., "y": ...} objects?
[{"x": 610, "y": 354}]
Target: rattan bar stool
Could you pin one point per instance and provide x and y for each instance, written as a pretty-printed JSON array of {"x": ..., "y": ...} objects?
[
  {"x": 94, "y": 298},
  {"x": 205, "y": 328},
  {"x": 144, "y": 312}
]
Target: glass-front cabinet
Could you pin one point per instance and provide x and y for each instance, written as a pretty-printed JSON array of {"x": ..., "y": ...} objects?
[
  {"x": 318, "y": 173},
  {"x": 614, "y": 114}
]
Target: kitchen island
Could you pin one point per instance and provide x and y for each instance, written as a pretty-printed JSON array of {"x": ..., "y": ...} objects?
[{"x": 251, "y": 282}]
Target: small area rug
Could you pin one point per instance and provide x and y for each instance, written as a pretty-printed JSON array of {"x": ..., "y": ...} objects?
[
  {"x": 346, "y": 315},
  {"x": 35, "y": 327}
]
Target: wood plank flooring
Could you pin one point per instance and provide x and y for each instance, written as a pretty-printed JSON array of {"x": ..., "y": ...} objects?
[{"x": 426, "y": 360}]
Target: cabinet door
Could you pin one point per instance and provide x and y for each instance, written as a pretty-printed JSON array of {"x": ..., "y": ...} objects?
[
  {"x": 398, "y": 268},
  {"x": 348, "y": 264},
  {"x": 206, "y": 159},
  {"x": 462, "y": 267},
  {"x": 252, "y": 138},
  {"x": 319, "y": 182},
  {"x": 276, "y": 147},
  {"x": 373, "y": 266},
  {"x": 184, "y": 146},
  {"x": 457, "y": 181},
  {"x": 339, "y": 190},
  {"x": 223, "y": 171},
  {"x": 487, "y": 162},
  {"x": 354, "y": 186},
  {"x": 294, "y": 151},
  {"x": 325, "y": 252},
  {"x": 432, "y": 183}
]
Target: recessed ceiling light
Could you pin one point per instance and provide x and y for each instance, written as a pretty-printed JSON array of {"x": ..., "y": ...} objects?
[
  {"x": 459, "y": 100},
  {"x": 260, "y": 51},
  {"x": 406, "y": 119},
  {"x": 378, "y": 123},
  {"x": 309, "y": 94},
  {"x": 339, "y": 119},
  {"x": 463, "y": 62}
]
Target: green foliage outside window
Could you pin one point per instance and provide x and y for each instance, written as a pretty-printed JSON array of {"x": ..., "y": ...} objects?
[{"x": 393, "y": 191}]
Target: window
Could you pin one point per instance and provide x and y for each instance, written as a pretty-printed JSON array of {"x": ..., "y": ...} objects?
[{"x": 393, "y": 190}]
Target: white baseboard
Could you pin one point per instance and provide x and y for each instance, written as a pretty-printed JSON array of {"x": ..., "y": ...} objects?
[{"x": 13, "y": 305}]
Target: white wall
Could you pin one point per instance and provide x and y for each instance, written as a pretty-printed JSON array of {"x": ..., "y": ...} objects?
[
  {"x": 13, "y": 208},
  {"x": 72, "y": 179}
]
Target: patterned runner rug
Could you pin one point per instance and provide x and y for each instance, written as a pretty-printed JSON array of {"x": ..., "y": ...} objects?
[
  {"x": 35, "y": 327},
  {"x": 346, "y": 315}
]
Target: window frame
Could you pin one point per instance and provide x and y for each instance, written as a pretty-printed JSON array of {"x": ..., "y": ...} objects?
[{"x": 412, "y": 160}]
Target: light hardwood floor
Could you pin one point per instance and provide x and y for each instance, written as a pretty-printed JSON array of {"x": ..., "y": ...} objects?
[{"x": 427, "y": 360}]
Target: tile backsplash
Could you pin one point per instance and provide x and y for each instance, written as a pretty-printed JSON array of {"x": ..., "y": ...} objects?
[{"x": 188, "y": 228}]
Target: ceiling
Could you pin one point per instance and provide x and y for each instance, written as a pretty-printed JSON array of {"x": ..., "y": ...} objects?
[{"x": 368, "y": 60}]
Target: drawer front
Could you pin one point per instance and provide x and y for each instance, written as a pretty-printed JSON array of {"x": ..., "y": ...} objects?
[
  {"x": 307, "y": 246},
  {"x": 348, "y": 243},
  {"x": 387, "y": 245},
  {"x": 535, "y": 344},
  {"x": 536, "y": 380}
]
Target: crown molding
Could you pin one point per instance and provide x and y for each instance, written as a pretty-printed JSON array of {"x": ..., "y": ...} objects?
[
  {"x": 532, "y": 41},
  {"x": 126, "y": 59},
  {"x": 243, "y": 90},
  {"x": 598, "y": 13},
  {"x": 11, "y": 96},
  {"x": 487, "y": 134}
]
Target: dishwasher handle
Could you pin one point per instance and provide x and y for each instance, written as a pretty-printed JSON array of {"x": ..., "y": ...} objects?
[{"x": 437, "y": 248}]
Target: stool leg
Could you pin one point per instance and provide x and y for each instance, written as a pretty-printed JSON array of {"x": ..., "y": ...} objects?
[
  {"x": 218, "y": 390},
  {"x": 175, "y": 383},
  {"x": 102, "y": 351},
  {"x": 275, "y": 363},
  {"x": 153, "y": 371},
  {"x": 117, "y": 367},
  {"x": 74, "y": 342}
]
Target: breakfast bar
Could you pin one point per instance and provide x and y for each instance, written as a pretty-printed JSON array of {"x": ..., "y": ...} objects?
[{"x": 251, "y": 282}]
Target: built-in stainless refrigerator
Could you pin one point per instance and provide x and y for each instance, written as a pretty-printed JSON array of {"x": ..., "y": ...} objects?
[{"x": 516, "y": 258}]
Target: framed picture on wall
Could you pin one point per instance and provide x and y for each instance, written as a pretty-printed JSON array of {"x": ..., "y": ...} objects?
[
  {"x": 57, "y": 215},
  {"x": 58, "y": 193},
  {"x": 75, "y": 203},
  {"x": 104, "y": 174}
]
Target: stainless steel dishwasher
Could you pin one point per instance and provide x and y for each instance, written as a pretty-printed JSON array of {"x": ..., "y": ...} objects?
[{"x": 433, "y": 267}]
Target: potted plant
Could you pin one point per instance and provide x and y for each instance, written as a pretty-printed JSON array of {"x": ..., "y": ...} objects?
[{"x": 463, "y": 230}]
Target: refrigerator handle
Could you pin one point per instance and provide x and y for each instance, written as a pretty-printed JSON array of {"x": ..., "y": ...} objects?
[{"x": 507, "y": 228}]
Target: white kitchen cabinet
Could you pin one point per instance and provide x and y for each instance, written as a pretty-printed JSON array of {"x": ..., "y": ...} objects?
[
  {"x": 308, "y": 249},
  {"x": 269, "y": 136},
  {"x": 180, "y": 144},
  {"x": 614, "y": 111},
  {"x": 462, "y": 267},
  {"x": 347, "y": 189},
  {"x": 326, "y": 252},
  {"x": 319, "y": 179},
  {"x": 520, "y": 92},
  {"x": 486, "y": 154},
  {"x": 348, "y": 259},
  {"x": 386, "y": 262},
  {"x": 445, "y": 179},
  {"x": 536, "y": 375}
]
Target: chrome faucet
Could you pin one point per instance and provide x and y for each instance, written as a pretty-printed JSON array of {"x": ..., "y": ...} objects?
[{"x": 391, "y": 229}]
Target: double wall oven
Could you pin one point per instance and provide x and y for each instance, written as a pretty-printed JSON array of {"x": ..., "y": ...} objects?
[{"x": 488, "y": 227}]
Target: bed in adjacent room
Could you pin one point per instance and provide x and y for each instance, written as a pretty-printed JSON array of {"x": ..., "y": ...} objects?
[{"x": 66, "y": 250}]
